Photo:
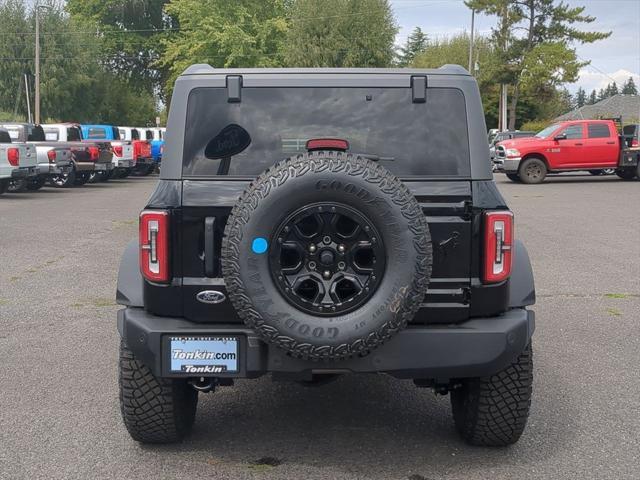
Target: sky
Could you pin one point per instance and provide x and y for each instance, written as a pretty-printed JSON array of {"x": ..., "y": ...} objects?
[{"x": 615, "y": 58}]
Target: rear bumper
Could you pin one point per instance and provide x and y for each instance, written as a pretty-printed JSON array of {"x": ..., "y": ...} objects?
[
  {"x": 24, "y": 172},
  {"x": 478, "y": 347},
  {"x": 142, "y": 161},
  {"x": 54, "y": 168},
  {"x": 123, "y": 163},
  {"x": 103, "y": 167}
]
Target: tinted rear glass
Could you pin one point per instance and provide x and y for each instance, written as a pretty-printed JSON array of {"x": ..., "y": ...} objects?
[
  {"x": 74, "y": 134},
  {"x": 4, "y": 137},
  {"x": 36, "y": 134},
  {"x": 96, "y": 133},
  {"x": 423, "y": 139},
  {"x": 598, "y": 130}
]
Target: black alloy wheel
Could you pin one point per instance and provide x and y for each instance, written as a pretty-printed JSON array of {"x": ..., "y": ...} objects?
[{"x": 328, "y": 259}]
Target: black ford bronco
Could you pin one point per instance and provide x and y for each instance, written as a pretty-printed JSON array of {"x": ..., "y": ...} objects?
[{"x": 316, "y": 222}]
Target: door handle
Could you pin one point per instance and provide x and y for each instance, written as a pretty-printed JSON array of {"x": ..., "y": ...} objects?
[
  {"x": 578, "y": 144},
  {"x": 611, "y": 143}
]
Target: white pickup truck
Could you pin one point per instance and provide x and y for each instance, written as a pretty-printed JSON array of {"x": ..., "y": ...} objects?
[{"x": 18, "y": 163}]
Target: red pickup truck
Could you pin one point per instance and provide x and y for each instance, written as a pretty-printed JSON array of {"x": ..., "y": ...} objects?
[{"x": 591, "y": 145}]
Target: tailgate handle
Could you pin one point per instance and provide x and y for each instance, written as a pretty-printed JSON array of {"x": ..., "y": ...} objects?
[{"x": 209, "y": 246}]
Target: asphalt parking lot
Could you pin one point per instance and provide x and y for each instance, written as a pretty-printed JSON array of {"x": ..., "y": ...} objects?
[{"x": 59, "y": 413}]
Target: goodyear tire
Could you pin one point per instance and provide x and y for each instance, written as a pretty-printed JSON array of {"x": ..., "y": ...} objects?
[
  {"x": 154, "y": 410},
  {"x": 493, "y": 411},
  {"x": 365, "y": 209}
]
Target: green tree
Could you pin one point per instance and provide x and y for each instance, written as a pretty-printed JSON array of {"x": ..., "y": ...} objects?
[
  {"x": 241, "y": 33},
  {"x": 533, "y": 38},
  {"x": 415, "y": 44},
  {"x": 341, "y": 33},
  {"x": 581, "y": 98},
  {"x": 128, "y": 34},
  {"x": 593, "y": 97},
  {"x": 612, "y": 89},
  {"x": 629, "y": 87}
]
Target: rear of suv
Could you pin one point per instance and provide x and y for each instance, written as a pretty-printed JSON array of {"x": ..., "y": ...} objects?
[{"x": 310, "y": 223}]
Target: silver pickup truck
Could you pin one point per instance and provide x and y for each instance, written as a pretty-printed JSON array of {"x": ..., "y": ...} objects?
[
  {"x": 18, "y": 163},
  {"x": 53, "y": 158}
]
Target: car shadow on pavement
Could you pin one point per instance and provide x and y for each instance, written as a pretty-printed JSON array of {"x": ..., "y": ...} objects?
[{"x": 359, "y": 424}]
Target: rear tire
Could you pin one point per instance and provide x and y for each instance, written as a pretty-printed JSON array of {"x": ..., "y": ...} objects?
[
  {"x": 596, "y": 172},
  {"x": 65, "y": 180},
  {"x": 154, "y": 410},
  {"x": 81, "y": 179},
  {"x": 628, "y": 173},
  {"x": 492, "y": 411},
  {"x": 513, "y": 177},
  {"x": 532, "y": 171},
  {"x": 37, "y": 183},
  {"x": 4, "y": 185}
]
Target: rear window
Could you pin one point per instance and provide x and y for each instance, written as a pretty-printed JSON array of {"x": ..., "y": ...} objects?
[
  {"x": 51, "y": 134},
  {"x": 269, "y": 124},
  {"x": 134, "y": 134},
  {"x": 97, "y": 133},
  {"x": 598, "y": 130},
  {"x": 630, "y": 130},
  {"x": 36, "y": 134},
  {"x": 116, "y": 133},
  {"x": 74, "y": 134},
  {"x": 4, "y": 137}
]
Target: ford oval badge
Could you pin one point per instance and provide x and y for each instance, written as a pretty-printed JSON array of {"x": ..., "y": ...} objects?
[{"x": 211, "y": 296}]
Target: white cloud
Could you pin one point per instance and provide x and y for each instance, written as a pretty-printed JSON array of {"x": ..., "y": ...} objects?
[{"x": 591, "y": 79}]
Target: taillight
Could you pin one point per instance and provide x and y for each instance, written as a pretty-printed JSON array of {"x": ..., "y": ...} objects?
[
  {"x": 154, "y": 245},
  {"x": 51, "y": 155},
  {"x": 634, "y": 143},
  {"x": 498, "y": 246},
  {"x": 117, "y": 150},
  {"x": 327, "y": 144},
  {"x": 13, "y": 155},
  {"x": 94, "y": 153},
  {"x": 136, "y": 150}
]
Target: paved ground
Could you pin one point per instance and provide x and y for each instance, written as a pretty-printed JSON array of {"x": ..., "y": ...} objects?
[{"x": 59, "y": 415}]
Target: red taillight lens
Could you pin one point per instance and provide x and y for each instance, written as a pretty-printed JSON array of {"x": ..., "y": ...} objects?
[
  {"x": 634, "y": 143},
  {"x": 498, "y": 246},
  {"x": 13, "y": 155},
  {"x": 117, "y": 150},
  {"x": 51, "y": 155},
  {"x": 327, "y": 144},
  {"x": 94, "y": 153},
  {"x": 154, "y": 245}
]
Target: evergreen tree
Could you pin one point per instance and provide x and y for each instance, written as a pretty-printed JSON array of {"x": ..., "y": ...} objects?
[
  {"x": 602, "y": 94},
  {"x": 416, "y": 43},
  {"x": 593, "y": 98},
  {"x": 629, "y": 87},
  {"x": 612, "y": 89},
  {"x": 581, "y": 98}
]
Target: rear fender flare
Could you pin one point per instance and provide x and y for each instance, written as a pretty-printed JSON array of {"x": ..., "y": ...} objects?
[
  {"x": 522, "y": 290},
  {"x": 129, "y": 291}
]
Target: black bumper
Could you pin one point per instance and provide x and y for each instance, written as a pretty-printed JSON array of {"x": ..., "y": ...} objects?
[
  {"x": 24, "y": 172},
  {"x": 478, "y": 347}
]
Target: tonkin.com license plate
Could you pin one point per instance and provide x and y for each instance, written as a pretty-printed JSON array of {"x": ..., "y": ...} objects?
[{"x": 203, "y": 355}]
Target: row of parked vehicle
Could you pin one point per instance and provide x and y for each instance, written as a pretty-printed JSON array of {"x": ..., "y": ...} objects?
[
  {"x": 71, "y": 154},
  {"x": 602, "y": 146}
]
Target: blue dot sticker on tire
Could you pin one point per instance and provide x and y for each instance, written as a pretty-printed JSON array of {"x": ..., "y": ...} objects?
[{"x": 259, "y": 245}]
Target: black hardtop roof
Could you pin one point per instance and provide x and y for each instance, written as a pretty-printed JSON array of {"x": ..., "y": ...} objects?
[{"x": 205, "y": 69}]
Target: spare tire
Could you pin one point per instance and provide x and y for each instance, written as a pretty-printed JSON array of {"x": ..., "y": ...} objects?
[{"x": 326, "y": 255}]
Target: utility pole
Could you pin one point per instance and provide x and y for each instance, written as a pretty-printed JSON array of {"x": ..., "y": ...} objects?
[
  {"x": 473, "y": 17},
  {"x": 37, "y": 99}
]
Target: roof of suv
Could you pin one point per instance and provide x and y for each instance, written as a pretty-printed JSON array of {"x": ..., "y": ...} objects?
[{"x": 205, "y": 69}]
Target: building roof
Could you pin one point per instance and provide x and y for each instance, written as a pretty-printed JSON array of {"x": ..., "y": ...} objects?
[{"x": 625, "y": 106}]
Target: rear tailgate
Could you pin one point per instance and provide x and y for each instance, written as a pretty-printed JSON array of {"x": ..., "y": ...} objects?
[
  {"x": 28, "y": 156},
  {"x": 62, "y": 157},
  {"x": 445, "y": 204}
]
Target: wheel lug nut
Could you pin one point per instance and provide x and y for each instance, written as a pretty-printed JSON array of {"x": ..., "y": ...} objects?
[
  {"x": 312, "y": 248},
  {"x": 327, "y": 239},
  {"x": 312, "y": 265},
  {"x": 341, "y": 248},
  {"x": 326, "y": 274},
  {"x": 341, "y": 265},
  {"x": 366, "y": 228}
]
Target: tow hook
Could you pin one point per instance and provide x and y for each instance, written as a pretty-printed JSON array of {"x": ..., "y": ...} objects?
[{"x": 204, "y": 385}]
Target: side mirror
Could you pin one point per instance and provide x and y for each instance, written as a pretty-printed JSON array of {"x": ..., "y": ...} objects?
[{"x": 562, "y": 136}]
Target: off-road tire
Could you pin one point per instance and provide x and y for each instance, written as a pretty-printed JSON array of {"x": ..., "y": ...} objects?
[
  {"x": 63, "y": 181},
  {"x": 493, "y": 411},
  {"x": 513, "y": 177},
  {"x": 154, "y": 410},
  {"x": 4, "y": 185},
  {"x": 628, "y": 173},
  {"x": 291, "y": 184},
  {"x": 532, "y": 171}
]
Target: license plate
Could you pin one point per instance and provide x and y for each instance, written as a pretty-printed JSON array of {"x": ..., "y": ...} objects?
[{"x": 203, "y": 355}]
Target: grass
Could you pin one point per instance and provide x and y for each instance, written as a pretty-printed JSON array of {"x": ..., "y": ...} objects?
[
  {"x": 614, "y": 312},
  {"x": 103, "y": 302},
  {"x": 617, "y": 295},
  {"x": 264, "y": 464},
  {"x": 4, "y": 302}
]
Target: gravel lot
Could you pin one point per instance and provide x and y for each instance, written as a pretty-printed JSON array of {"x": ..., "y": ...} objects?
[{"x": 59, "y": 414}]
